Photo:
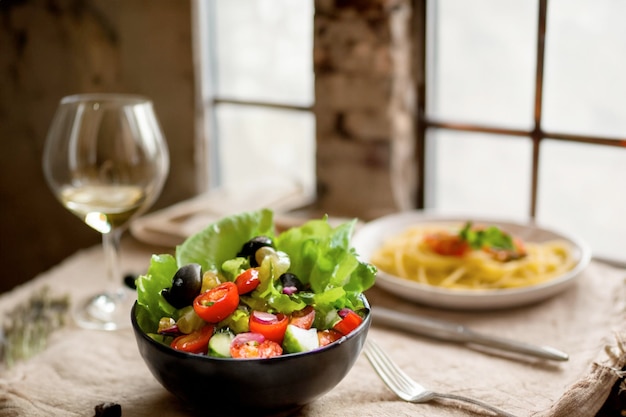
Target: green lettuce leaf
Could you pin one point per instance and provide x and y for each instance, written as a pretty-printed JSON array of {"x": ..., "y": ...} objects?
[
  {"x": 222, "y": 240},
  {"x": 151, "y": 304},
  {"x": 322, "y": 256}
]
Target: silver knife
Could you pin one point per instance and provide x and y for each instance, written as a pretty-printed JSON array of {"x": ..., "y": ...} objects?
[{"x": 453, "y": 332}]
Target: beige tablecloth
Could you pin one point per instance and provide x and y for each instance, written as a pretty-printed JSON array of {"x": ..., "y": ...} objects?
[{"x": 83, "y": 368}]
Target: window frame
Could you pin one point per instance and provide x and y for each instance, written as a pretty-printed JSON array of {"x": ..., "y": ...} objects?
[
  {"x": 423, "y": 123},
  {"x": 204, "y": 15}
]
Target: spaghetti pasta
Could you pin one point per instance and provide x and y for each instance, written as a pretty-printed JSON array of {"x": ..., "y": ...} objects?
[{"x": 408, "y": 255}]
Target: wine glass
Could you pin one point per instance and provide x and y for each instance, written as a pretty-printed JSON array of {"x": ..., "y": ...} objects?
[{"x": 105, "y": 159}]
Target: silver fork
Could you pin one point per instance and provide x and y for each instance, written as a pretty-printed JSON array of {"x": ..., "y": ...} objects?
[{"x": 408, "y": 389}]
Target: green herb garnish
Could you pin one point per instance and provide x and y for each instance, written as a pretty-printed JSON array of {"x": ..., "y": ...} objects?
[{"x": 490, "y": 237}]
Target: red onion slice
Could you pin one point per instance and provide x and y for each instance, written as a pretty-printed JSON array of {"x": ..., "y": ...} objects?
[
  {"x": 343, "y": 312},
  {"x": 290, "y": 290},
  {"x": 264, "y": 317},
  {"x": 243, "y": 338}
]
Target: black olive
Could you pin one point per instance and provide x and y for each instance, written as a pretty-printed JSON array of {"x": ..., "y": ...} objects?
[
  {"x": 186, "y": 285},
  {"x": 291, "y": 280},
  {"x": 250, "y": 247},
  {"x": 108, "y": 410},
  {"x": 129, "y": 281}
]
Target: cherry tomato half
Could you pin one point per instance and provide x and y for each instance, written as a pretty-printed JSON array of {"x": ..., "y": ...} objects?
[
  {"x": 195, "y": 342},
  {"x": 447, "y": 244},
  {"x": 303, "y": 318},
  {"x": 326, "y": 337},
  {"x": 242, "y": 349},
  {"x": 247, "y": 281},
  {"x": 349, "y": 321},
  {"x": 217, "y": 303},
  {"x": 272, "y": 326}
]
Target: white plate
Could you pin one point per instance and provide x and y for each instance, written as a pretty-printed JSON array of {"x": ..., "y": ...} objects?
[{"x": 371, "y": 235}]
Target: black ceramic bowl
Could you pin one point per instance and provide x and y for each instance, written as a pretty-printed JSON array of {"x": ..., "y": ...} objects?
[{"x": 276, "y": 386}]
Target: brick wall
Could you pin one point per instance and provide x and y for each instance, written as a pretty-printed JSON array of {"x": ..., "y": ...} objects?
[{"x": 364, "y": 101}]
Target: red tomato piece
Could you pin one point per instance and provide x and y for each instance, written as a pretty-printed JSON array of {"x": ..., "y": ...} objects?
[
  {"x": 247, "y": 281},
  {"x": 254, "y": 349},
  {"x": 520, "y": 247},
  {"x": 349, "y": 321},
  {"x": 195, "y": 342},
  {"x": 447, "y": 244},
  {"x": 217, "y": 303},
  {"x": 326, "y": 337},
  {"x": 272, "y": 326},
  {"x": 303, "y": 318}
]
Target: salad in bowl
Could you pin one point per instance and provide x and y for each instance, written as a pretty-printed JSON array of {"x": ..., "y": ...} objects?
[
  {"x": 239, "y": 290},
  {"x": 245, "y": 321}
]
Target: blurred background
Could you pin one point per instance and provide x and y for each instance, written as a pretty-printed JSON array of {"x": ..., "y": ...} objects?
[{"x": 494, "y": 108}]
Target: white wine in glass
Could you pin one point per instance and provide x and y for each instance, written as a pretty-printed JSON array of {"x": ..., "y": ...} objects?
[{"x": 106, "y": 161}]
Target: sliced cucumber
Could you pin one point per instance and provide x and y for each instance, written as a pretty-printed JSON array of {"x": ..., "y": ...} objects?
[
  {"x": 300, "y": 340},
  {"x": 219, "y": 345}
]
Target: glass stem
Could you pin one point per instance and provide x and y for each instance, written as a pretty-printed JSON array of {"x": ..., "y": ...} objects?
[{"x": 111, "y": 245}]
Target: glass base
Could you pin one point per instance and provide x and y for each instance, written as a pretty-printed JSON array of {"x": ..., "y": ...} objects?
[{"x": 106, "y": 311}]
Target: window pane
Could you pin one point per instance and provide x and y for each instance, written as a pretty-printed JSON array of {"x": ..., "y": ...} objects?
[
  {"x": 582, "y": 191},
  {"x": 483, "y": 175},
  {"x": 484, "y": 66},
  {"x": 265, "y": 145},
  {"x": 264, "y": 50},
  {"x": 585, "y": 82}
]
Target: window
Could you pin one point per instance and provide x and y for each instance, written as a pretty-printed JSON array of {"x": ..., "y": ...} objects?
[
  {"x": 257, "y": 91},
  {"x": 522, "y": 129},
  {"x": 515, "y": 125}
]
